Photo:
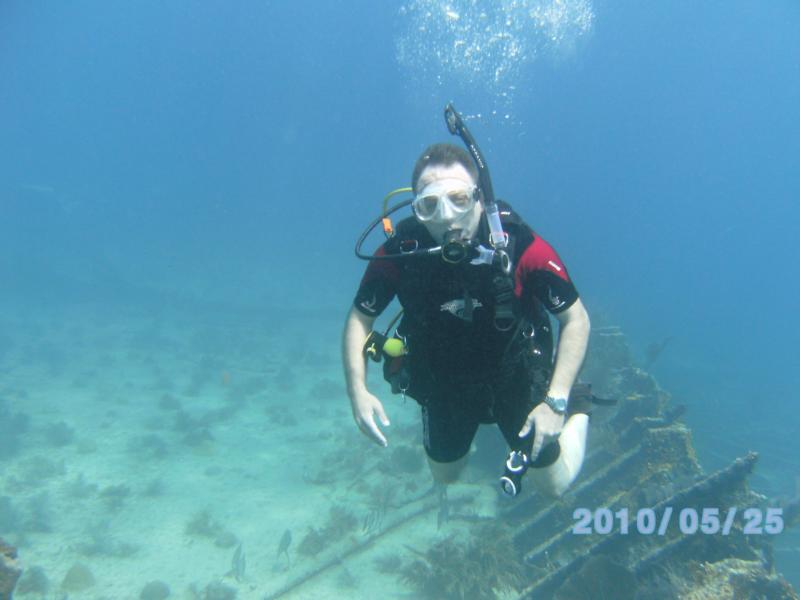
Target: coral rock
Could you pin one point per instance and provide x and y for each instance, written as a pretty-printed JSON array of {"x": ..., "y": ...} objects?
[
  {"x": 155, "y": 590},
  {"x": 77, "y": 579},
  {"x": 9, "y": 570}
]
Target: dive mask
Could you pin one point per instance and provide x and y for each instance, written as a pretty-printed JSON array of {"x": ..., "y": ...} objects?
[{"x": 444, "y": 200}]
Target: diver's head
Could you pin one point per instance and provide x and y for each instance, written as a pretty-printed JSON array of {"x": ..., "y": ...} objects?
[{"x": 446, "y": 193}]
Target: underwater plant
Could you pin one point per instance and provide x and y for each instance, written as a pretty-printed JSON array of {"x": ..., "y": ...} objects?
[
  {"x": 473, "y": 569},
  {"x": 154, "y": 590},
  {"x": 599, "y": 578},
  {"x": 379, "y": 503},
  {"x": 203, "y": 525},
  {"x": 340, "y": 522},
  {"x": 388, "y": 563},
  {"x": 313, "y": 543},
  {"x": 33, "y": 581},
  {"x": 114, "y": 496},
  {"x": 218, "y": 591},
  {"x": 78, "y": 579}
]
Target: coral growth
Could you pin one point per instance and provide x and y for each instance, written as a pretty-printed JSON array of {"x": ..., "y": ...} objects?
[
  {"x": 599, "y": 577},
  {"x": 78, "y": 579},
  {"x": 473, "y": 569},
  {"x": 736, "y": 578},
  {"x": 312, "y": 543},
  {"x": 340, "y": 523},
  {"x": 114, "y": 496},
  {"x": 155, "y": 590},
  {"x": 379, "y": 503},
  {"x": 203, "y": 525},
  {"x": 9, "y": 569},
  {"x": 33, "y": 581},
  {"x": 388, "y": 563},
  {"x": 213, "y": 591}
]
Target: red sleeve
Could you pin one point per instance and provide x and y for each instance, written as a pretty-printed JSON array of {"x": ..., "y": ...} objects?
[{"x": 542, "y": 273}]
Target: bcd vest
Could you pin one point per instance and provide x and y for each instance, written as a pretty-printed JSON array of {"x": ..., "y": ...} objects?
[{"x": 448, "y": 321}]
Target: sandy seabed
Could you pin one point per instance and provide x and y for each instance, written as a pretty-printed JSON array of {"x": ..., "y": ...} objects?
[
  {"x": 173, "y": 447},
  {"x": 152, "y": 447}
]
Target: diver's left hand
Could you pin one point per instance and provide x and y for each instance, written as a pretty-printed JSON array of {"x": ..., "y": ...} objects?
[{"x": 547, "y": 425}]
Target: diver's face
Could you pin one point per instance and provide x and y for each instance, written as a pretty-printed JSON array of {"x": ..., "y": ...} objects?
[{"x": 451, "y": 181}]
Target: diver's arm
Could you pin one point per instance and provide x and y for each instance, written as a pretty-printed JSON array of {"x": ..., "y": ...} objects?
[
  {"x": 365, "y": 406},
  {"x": 573, "y": 337},
  {"x": 356, "y": 330}
]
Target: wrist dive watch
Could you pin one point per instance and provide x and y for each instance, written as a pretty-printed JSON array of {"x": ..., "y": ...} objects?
[{"x": 558, "y": 405}]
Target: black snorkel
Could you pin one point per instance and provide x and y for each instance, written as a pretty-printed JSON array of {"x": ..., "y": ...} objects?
[{"x": 497, "y": 237}]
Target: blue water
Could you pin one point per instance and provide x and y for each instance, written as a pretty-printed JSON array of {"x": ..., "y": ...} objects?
[{"x": 226, "y": 155}]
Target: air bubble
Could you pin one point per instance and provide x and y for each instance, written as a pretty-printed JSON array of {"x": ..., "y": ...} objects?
[{"x": 464, "y": 48}]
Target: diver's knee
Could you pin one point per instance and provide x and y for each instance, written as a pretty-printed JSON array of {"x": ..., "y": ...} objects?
[
  {"x": 552, "y": 481},
  {"x": 448, "y": 472},
  {"x": 555, "y": 479},
  {"x": 556, "y": 488}
]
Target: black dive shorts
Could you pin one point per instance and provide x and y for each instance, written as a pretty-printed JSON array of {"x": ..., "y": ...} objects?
[{"x": 451, "y": 415}]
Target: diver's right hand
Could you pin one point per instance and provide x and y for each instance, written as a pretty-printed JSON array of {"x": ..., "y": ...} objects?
[{"x": 365, "y": 408}]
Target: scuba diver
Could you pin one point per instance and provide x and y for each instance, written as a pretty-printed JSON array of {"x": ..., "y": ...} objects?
[{"x": 474, "y": 344}]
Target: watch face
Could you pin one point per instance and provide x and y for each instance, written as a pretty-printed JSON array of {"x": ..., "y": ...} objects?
[{"x": 557, "y": 404}]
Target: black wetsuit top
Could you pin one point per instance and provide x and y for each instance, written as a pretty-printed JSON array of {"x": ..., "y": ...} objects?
[
  {"x": 436, "y": 297},
  {"x": 460, "y": 364}
]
